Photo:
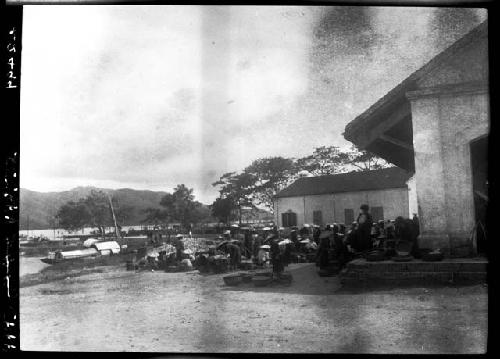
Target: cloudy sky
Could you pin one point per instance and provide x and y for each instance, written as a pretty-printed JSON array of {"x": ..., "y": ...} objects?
[{"x": 149, "y": 97}]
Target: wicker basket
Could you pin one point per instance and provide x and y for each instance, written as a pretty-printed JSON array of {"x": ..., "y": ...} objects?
[
  {"x": 261, "y": 281},
  {"x": 232, "y": 280},
  {"x": 263, "y": 274},
  {"x": 246, "y": 277}
]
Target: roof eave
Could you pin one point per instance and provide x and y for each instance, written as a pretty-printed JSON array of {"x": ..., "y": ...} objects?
[{"x": 398, "y": 93}]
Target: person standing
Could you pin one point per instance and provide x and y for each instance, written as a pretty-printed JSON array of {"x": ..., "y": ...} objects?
[
  {"x": 324, "y": 246},
  {"x": 256, "y": 244},
  {"x": 416, "y": 224},
  {"x": 179, "y": 246},
  {"x": 235, "y": 255},
  {"x": 248, "y": 244},
  {"x": 276, "y": 259},
  {"x": 294, "y": 238},
  {"x": 316, "y": 234},
  {"x": 365, "y": 223}
]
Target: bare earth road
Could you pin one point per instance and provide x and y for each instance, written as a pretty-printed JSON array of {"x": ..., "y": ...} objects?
[{"x": 187, "y": 312}]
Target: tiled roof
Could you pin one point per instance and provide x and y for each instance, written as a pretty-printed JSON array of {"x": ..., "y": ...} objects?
[{"x": 393, "y": 177}]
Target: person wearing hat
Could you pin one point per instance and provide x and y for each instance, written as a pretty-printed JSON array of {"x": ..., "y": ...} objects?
[
  {"x": 262, "y": 256},
  {"x": 179, "y": 246},
  {"x": 304, "y": 232},
  {"x": 322, "y": 253},
  {"x": 276, "y": 259},
  {"x": 257, "y": 242},
  {"x": 316, "y": 234},
  {"x": 294, "y": 238},
  {"x": 234, "y": 252},
  {"x": 365, "y": 223},
  {"x": 247, "y": 244}
]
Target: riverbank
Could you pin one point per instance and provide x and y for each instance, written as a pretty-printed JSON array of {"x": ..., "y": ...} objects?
[{"x": 71, "y": 269}]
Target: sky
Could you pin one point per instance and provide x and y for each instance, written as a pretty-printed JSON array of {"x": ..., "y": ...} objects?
[{"x": 149, "y": 97}]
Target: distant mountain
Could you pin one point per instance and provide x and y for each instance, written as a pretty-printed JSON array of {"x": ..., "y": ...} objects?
[{"x": 41, "y": 207}]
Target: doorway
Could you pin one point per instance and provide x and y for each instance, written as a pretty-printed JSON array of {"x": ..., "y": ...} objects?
[{"x": 479, "y": 167}]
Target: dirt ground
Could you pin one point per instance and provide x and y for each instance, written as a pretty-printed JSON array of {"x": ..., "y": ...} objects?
[{"x": 120, "y": 310}]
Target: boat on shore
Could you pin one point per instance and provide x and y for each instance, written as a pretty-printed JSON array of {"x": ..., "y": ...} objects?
[{"x": 62, "y": 256}]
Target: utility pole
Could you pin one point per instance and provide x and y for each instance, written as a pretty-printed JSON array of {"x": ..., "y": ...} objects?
[{"x": 117, "y": 231}]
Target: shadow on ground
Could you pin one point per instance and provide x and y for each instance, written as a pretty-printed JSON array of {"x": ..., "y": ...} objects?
[{"x": 305, "y": 281}]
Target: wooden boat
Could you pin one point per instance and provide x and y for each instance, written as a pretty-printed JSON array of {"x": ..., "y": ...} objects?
[{"x": 62, "y": 256}]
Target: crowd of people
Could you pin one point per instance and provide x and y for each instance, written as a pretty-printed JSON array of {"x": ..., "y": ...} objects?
[{"x": 278, "y": 247}]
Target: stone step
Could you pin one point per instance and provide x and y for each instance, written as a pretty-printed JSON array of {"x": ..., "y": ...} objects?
[
  {"x": 455, "y": 270},
  {"x": 418, "y": 266}
]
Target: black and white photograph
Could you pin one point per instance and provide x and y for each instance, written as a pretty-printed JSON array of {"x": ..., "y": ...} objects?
[{"x": 253, "y": 179}]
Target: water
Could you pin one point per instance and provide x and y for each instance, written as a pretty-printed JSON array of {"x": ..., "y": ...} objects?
[
  {"x": 30, "y": 265},
  {"x": 58, "y": 234}
]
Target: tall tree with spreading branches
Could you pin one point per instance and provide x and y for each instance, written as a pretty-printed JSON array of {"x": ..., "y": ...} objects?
[
  {"x": 238, "y": 189},
  {"x": 364, "y": 160},
  {"x": 324, "y": 161},
  {"x": 271, "y": 175}
]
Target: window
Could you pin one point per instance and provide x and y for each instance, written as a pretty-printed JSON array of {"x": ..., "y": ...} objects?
[
  {"x": 348, "y": 216},
  {"x": 318, "y": 218},
  {"x": 377, "y": 213},
  {"x": 289, "y": 219}
]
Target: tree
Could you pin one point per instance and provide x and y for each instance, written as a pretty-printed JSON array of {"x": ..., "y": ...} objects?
[
  {"x": 155, "y": 216},
  {"x": 364, "y": 160},
  {"x": 324, "y": 161},
  {"x": 270, "y": 175},
  {"x": 180, "y": 206},
  {"x": 93, "y": 211},
  {"x": 73, "y": 215},
  {"x": 238, "y": 189},
  {"x": 99, "y": 210},
  {"x": 222, "y": 209},
  {"x": 123, "y": 213}
]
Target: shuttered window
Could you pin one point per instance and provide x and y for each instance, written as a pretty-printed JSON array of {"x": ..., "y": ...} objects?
[
  {"x": 377, "y": 213},
  {"x": 348, "y": 216},
  {"x": 318, "y": 218},
  {"x": 289, "y": 219}
]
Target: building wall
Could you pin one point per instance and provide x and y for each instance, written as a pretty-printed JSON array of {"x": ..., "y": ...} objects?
[
  {"x": 394, "y": 202},
  {"x": 412, "y": 197},
  {"x": 449, "y": 111}
]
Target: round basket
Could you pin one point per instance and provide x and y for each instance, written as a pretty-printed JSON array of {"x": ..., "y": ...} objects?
[
  {"x": 263, "y": 274},
  {"x": 246, "y": 277},
  {"x": 261, "y": 281},
  {"x": 232, "y": 280}
]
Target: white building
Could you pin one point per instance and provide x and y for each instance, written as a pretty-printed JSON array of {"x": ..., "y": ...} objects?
[{"x": 337, "y": 198}]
